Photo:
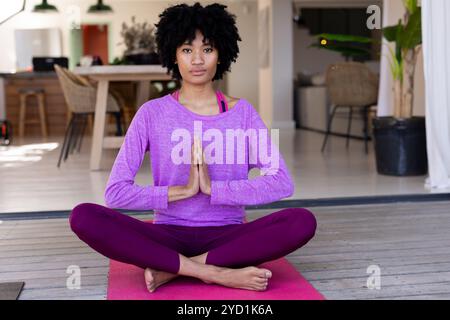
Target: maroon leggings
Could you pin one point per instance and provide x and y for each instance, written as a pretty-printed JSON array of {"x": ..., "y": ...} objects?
[{"x": 157, "y": 246}]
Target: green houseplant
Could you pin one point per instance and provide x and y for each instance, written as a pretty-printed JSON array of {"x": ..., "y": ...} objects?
[
  {"x": 140, "y": 43},
  {"x": 400, "y": 140}
]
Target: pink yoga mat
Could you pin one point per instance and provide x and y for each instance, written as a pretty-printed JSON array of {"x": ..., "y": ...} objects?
[{"x": 126, "y": 282}]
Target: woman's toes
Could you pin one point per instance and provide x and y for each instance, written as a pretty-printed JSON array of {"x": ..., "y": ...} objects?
[
  {"x": 260, "y": 283},
  {"x": 264, "y": 273},
  {"x": 267, "y": 273},
  {"x": 149, "y": 279},
  {"x": 148, "y": 276},
  {"x": 261, "y": 287}
]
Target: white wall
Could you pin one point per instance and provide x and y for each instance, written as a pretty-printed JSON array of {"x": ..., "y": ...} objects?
[
  {"x": 282, "y": 64},
  {"x": 276, "y": 78},
  {"x": 243, "y": 80}
]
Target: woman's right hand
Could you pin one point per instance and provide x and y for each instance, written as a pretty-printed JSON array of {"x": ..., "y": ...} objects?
[{"x": 193, "y": 186}]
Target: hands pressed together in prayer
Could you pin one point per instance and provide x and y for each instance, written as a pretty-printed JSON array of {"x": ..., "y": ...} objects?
[{"x": 199, "y": 180}]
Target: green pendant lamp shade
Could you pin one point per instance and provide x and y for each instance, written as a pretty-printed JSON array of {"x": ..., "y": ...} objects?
[
  {"x": 44, "y": 7},
  {"x": 100, "y": 8}
]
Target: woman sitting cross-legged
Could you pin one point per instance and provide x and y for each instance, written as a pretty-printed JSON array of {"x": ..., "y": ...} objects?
[{"x": 201, "y": 185}]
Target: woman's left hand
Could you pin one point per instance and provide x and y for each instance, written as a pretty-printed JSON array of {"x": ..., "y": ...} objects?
[{"x": 205, "y": 181}]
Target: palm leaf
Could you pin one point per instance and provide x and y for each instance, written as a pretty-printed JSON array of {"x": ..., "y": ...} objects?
[
  {"x": 347, "y": 51},
  {"x": 390, "y": 33},
  {"x": 344, "y": 38},
  {"x": 410, "y": 5},
  {"x": 396, "y": 66},
  {"x": 412, "y": 34}
]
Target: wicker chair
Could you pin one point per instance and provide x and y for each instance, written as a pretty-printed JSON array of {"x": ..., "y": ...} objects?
[
  {"x": 351, "y": 85},
  {"x": 80, "y": 96}
]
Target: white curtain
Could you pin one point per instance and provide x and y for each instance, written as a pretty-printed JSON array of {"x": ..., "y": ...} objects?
[{"x": 436, "y": 50}]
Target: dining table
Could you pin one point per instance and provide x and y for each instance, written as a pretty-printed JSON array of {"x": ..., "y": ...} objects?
[{"x": 104, "y": 74}]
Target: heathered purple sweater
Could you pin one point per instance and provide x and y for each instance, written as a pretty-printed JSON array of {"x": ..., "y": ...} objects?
[{"x": 159, "y": 126}]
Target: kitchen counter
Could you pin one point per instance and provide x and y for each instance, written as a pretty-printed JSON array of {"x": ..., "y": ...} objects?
[
  {"x": 27, "y": 74},
  {"x": 55, "y": 105}
]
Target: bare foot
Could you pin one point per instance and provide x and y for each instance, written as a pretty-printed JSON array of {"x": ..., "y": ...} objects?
[
  {"x": 250, "y": 278},
  {"x": 155, "y": 278}
]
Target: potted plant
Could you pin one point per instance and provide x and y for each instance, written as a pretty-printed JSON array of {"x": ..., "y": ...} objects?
[
  {"x": 139, "y": 39},
  {"x": 400, "y": 140}
]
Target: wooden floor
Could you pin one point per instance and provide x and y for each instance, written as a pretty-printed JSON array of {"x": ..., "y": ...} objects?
[{"x": 409, "y": 242}]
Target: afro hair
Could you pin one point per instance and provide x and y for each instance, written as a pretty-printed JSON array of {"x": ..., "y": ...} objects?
[{"x": 179, "y": 23}]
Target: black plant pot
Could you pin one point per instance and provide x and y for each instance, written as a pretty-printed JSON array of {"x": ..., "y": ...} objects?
[
  {"x": 142, "y": 58},
  {"x": 400, "y": 146}
]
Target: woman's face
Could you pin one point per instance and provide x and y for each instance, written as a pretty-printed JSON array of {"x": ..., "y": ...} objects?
[{"x": 197, "y": 62}]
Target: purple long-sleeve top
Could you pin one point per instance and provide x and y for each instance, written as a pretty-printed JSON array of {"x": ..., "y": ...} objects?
[{"x": 165, "y": 128}]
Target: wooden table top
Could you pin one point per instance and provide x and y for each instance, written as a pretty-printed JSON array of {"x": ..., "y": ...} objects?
[{"x": 120, "y": 69}]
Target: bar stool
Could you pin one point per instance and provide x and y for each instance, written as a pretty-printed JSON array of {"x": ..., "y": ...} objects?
[{"x": 39, "y": 93}]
